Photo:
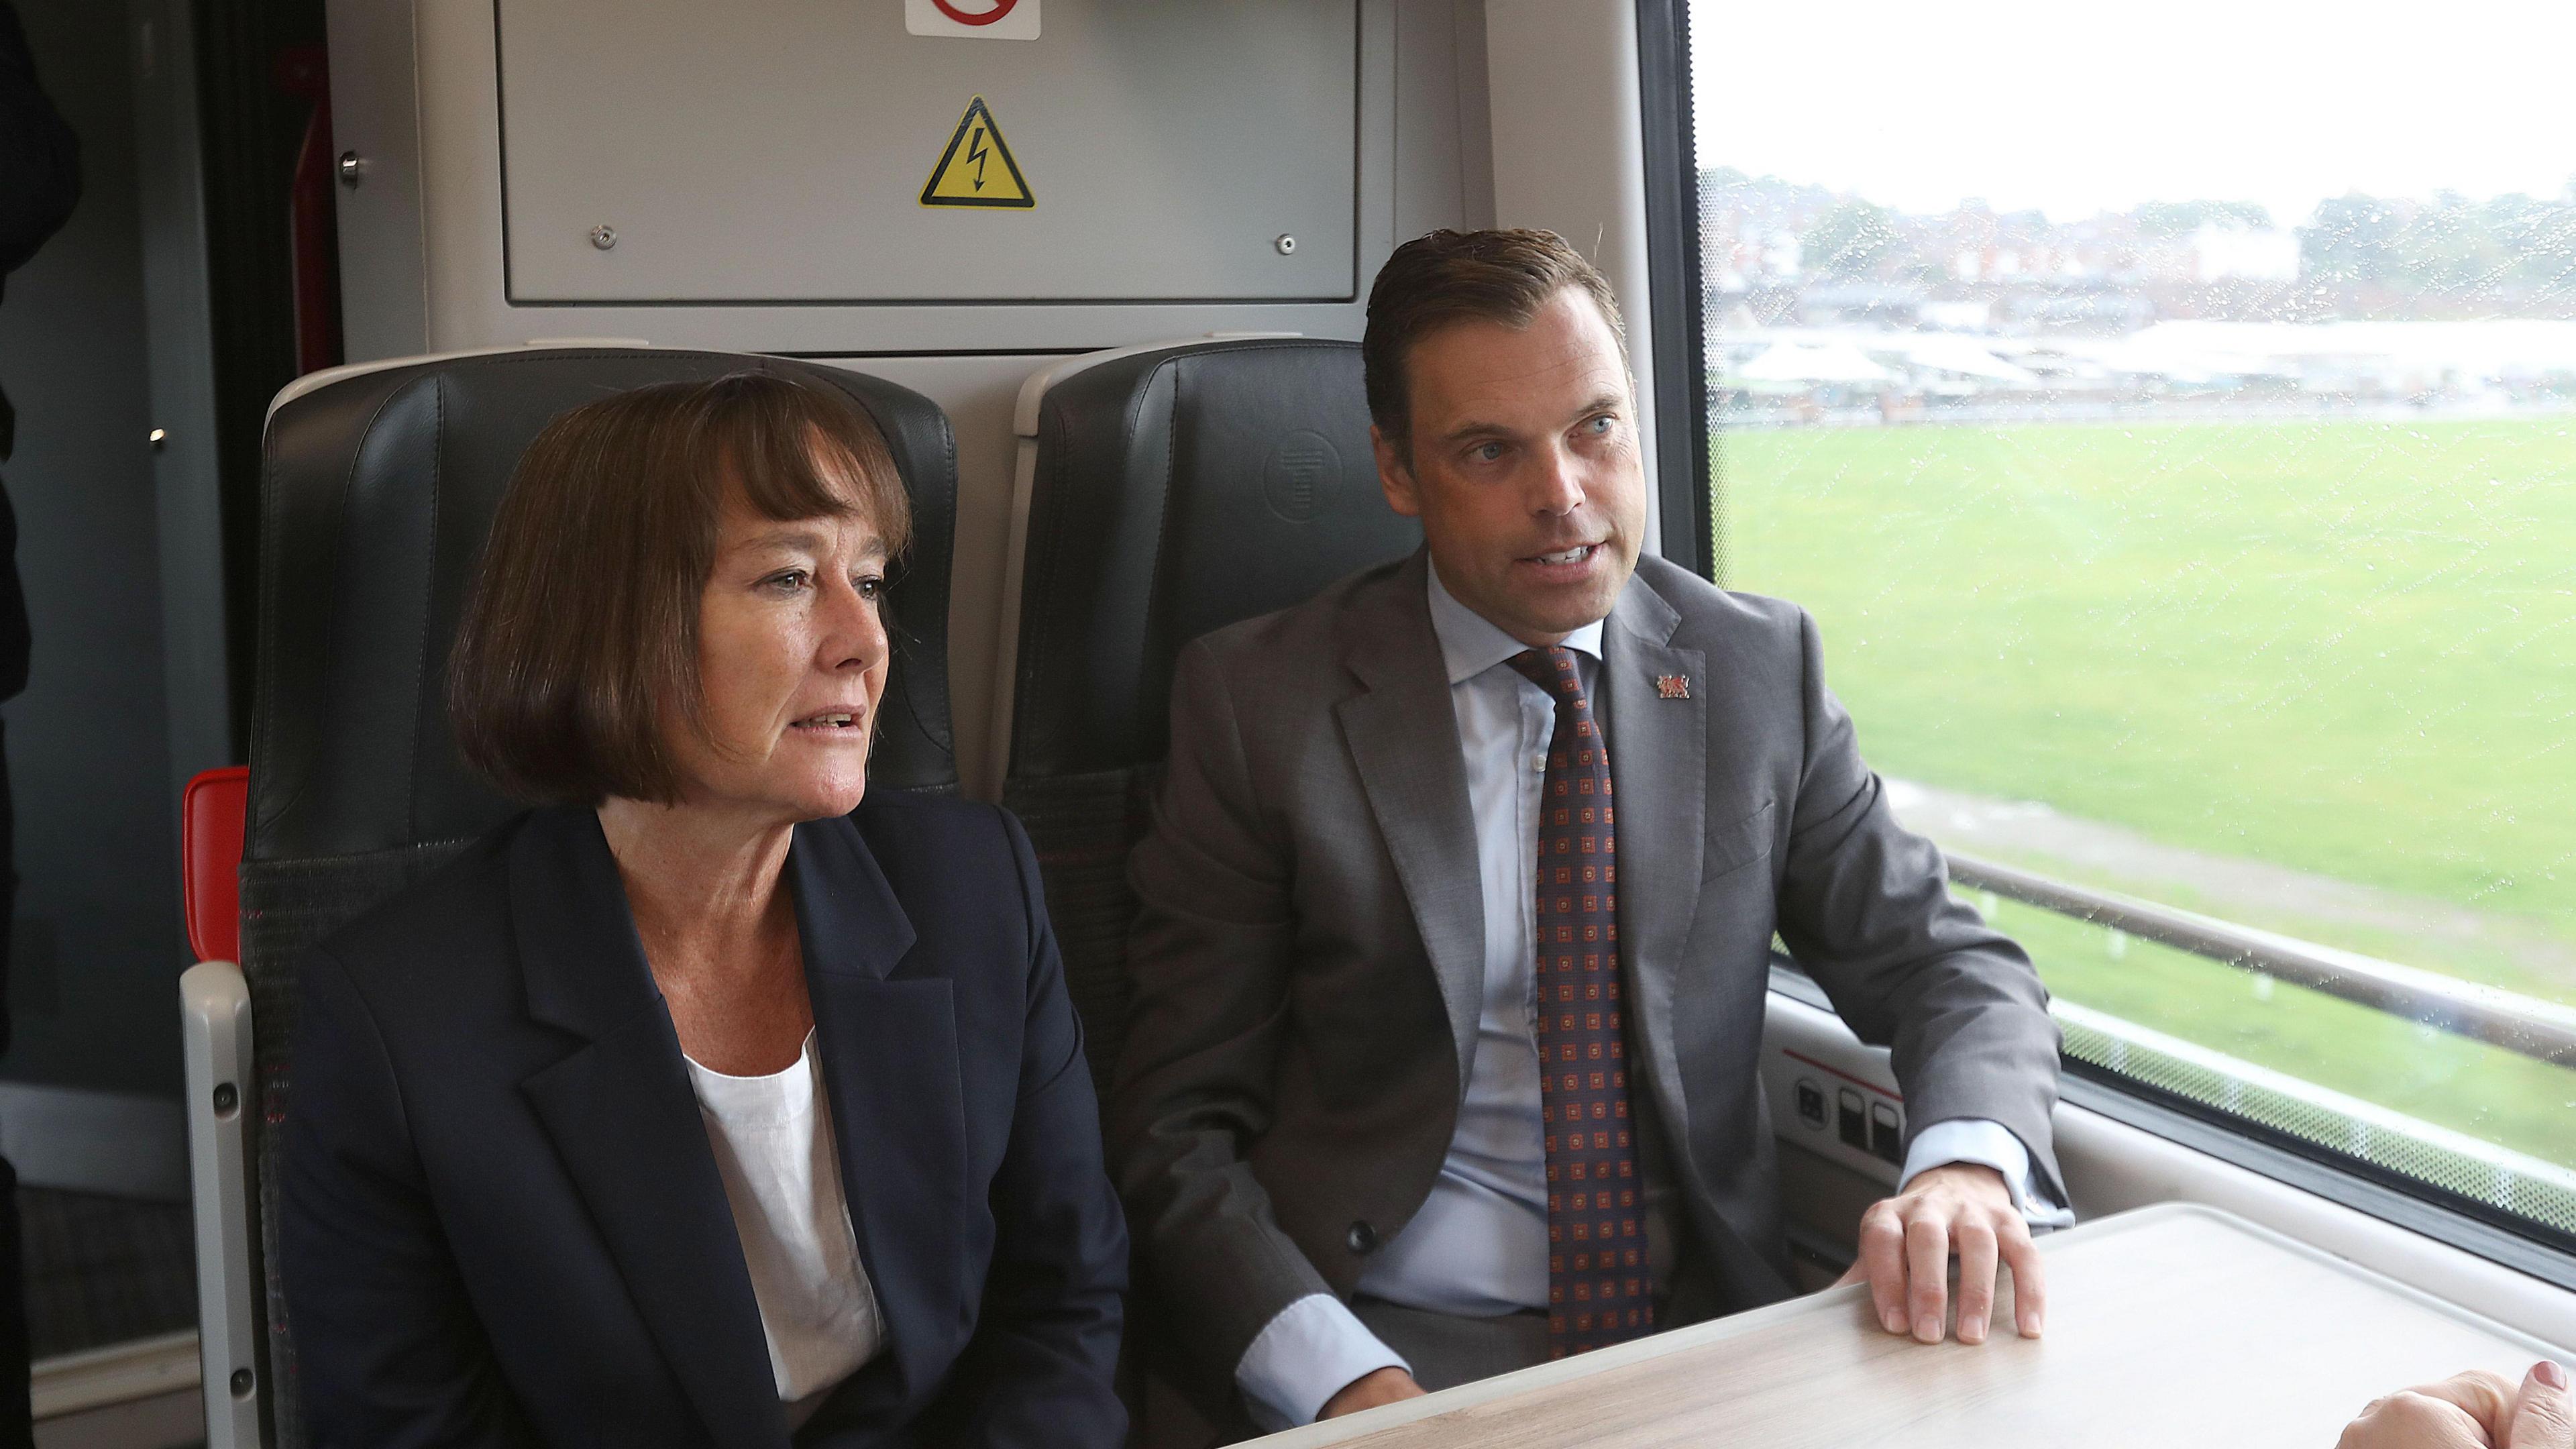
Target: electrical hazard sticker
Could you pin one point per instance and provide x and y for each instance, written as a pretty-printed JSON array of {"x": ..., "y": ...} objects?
[{"x": 977, "y": 169}]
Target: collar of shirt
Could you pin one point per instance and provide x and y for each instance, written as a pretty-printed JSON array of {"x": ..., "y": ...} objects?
[{"x": 1470, "y": 643}]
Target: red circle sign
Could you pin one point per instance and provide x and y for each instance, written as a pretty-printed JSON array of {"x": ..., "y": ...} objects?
[{"x": 1000, "y": 9}]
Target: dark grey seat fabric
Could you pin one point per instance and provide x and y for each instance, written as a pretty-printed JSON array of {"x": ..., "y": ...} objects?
[
  {"x": 377, "y": 492},
  {"x": 1176, "y": 492}
]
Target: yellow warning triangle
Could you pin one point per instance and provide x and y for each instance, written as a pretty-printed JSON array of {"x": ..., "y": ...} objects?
[{"x": 977, "y": 169}]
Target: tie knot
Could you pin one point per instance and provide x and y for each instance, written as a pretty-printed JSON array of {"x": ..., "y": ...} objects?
[{"x": 1551, "y": 669}]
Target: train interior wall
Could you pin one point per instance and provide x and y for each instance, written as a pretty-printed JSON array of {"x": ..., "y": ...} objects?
[
  {"x": 97, "y": 350},
  {"x": 435, "y": 200},
  {"x": 96, "y": 939},
  {"x": 124, "y": 325},
  {"x": 96, "y": 358},
  {"x": 1468, "y": 113}
]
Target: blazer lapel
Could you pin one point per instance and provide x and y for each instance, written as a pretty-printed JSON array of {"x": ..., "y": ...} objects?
[
  {"x": 891, "y": 1071},
  {"x": 625, "y": 1121},
  {"x": 1403, "y": 736},
  {"x": 1659, "y": 771}
]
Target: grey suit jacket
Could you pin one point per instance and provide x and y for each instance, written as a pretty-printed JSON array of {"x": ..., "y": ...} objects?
[{"x": 1308, "y": 958}]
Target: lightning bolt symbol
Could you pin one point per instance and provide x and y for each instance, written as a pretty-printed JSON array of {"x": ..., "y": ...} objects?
[{"x": 976, "y": 152}]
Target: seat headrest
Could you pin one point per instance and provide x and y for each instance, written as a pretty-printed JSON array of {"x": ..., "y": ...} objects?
[
  {"x": 1176, "y": 492},
  {"x": 377, "y": 492}
]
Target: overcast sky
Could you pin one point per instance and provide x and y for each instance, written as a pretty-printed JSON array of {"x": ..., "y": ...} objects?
[{"x": 2078, "y": 106}]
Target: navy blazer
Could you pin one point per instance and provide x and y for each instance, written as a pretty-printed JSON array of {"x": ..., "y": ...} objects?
[{"x": 500, "y": 1217}]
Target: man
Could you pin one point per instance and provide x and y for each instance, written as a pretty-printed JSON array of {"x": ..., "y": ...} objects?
[
  {"x": 39, "y": 183},
  {"x": 1440, "y": 1062}
]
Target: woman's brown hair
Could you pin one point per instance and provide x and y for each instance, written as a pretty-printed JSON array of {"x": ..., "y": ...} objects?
[{"x": 578, "y": 651}]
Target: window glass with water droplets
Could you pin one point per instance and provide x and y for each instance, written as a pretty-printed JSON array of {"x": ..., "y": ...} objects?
[{"x": 2170, "y": 418}]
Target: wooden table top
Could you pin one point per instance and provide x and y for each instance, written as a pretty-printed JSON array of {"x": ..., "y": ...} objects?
[{"x": 2170, "y": 1325}]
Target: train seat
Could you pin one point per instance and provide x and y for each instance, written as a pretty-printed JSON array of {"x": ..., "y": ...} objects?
[
  {"x": 378, "y": 487},
  {"x": 1163, "y": 492},
  {"x": 1172, "y": 490}
]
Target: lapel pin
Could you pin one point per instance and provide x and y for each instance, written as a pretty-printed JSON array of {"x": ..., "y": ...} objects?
[{"x": 1672, "y": 686}]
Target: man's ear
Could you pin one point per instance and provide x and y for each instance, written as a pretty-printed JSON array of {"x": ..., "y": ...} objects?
[{"x": 1394, "y": 474}]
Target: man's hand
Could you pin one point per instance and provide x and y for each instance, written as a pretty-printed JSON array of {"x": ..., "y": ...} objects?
[
  {"x": 1380, "y": 1386},
  {"x": 1906, "y": 1243}
]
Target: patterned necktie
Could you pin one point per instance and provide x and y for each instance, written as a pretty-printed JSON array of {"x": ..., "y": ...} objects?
[{"x": 1597, "y": 1293}]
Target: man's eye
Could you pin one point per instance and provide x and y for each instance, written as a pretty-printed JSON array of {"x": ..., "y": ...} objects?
[
  {"x": 1486, "y": 452},
  {"x": 1602, "y": 424}
]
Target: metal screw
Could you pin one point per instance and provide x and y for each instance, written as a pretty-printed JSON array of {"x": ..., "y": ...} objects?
[
  {"x": 156, "y": 438},
  {"x": 227, "y": 1097},
  {"x": 352, "y": 167},
  {"x": 1287, "y": 245},
  {"x": 242, "y": 1382},
  {"x": 603, "y": 237}
]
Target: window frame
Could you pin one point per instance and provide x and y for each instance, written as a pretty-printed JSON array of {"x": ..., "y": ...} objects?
[
  {"x": 1686, "y": 448},
  {"x": 1684, "y": 472},
  {"x": 2392, "y": 1197},
  {"x": 2446, "y": 1217}
]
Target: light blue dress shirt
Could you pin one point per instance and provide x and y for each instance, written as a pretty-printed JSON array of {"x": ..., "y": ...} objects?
[{"x": 1478, "y": 1246}]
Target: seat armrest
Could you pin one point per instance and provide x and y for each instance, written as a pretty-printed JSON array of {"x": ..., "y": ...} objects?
[{"x": 215, "y": 1034}]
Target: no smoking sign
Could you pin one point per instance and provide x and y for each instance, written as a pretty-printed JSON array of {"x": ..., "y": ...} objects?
[{"x": 973, "y": 19}]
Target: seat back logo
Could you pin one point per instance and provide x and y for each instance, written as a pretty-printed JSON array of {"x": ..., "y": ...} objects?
[{"x": 1303, "y": 469}]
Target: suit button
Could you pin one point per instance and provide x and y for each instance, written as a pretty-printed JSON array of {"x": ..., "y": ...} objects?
[{"x": 1363, "y": 1238}]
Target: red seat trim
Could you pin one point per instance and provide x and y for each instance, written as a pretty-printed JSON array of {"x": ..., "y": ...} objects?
[{"x": 210, "y": 852}]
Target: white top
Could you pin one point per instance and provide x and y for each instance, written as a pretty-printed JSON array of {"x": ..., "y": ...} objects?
[
  {"x": 773, "y": 1142},
  {"x": 1478, "y": 1245}
]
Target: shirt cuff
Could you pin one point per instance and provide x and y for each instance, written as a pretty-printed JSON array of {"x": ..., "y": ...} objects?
[
  {"x": 1988, "y": 1144},
  {"x": 1313, "y": 1349}
]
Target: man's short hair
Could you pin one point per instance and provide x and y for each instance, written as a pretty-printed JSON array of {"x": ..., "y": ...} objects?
[
  {"x": 1503, "y": 275},
  {"x": 578, "y": 652}
]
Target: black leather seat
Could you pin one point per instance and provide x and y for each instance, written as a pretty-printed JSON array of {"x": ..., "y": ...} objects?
[
  {"x": 1175, "y": 492},
  {"x": 378, "y": 491}
]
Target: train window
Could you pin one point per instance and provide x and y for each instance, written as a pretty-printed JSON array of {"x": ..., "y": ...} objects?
[{"x": 2177, "y": 445}]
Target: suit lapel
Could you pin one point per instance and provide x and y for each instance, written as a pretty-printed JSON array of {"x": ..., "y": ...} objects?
[
  {"x": 625, "y": 1121},
  {"x": 1403, "y": 737},
  {"x": 891, "y": 1071},
  {"x": 1659, "y": 771}
]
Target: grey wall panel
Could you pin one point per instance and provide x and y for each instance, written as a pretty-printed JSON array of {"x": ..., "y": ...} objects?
[
  {"x": 1443, "y": 176},
  {"x": 1475, "y": 117},
  {"x": 96, "y": 942},
  {"x": 375, "y": 116},
  {"x": 427, "y": 75},
  {"x": 417, "y": 90},
  {"x": 179, "y": 326},
  {"x": 464, "y": 302},
  {"x": 77, "y": 1140},
  {"x": 779, "y": 149}
]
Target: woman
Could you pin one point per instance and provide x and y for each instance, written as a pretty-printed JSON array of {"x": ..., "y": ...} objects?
[
  {"x": 2472, "y": 1411},
  {"x": 716, "y": 1099}
]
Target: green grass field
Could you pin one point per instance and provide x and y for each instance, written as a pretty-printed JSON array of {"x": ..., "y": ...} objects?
[{"x": 2340, "y": 647}]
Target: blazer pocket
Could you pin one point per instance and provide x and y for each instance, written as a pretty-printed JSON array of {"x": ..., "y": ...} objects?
[{"x": 1733, "y": 847}]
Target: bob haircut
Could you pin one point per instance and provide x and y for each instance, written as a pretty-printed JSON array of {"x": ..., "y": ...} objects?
[
  {"x": 578, "y": 652},
  {"x": 1447, "y": 276}
]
